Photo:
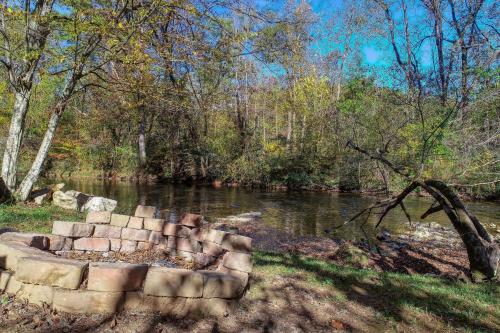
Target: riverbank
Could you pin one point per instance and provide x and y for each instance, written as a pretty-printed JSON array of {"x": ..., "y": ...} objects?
[{"x": 299, "y": 284}]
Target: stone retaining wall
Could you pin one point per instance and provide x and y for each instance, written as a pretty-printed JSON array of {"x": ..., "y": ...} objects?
[{"x": 30, "y": 268}]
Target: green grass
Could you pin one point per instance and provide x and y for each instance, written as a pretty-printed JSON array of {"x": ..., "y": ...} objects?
[
  {"x": 475, "y": 307},
  {"x": 35, "y": 219}
]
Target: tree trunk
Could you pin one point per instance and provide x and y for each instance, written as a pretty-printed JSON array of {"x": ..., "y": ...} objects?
[
  {"x": 29, "y": 180},
  {"x": 142, "y": 143},
  {"x": 13, "y": 144}
]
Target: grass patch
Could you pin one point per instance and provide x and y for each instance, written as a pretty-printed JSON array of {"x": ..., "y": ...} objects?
[
  {"x": 399, "y": 297},
  {"x": 35, "y": 219}
]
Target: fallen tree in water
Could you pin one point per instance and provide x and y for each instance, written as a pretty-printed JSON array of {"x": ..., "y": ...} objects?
[{"x": 483, "y": 252}]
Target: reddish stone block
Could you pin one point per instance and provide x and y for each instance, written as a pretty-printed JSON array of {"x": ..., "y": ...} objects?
[
  {"x": 107, "y": 231},
  {"x": 92, "y": 244},
  {"x": 136, "y": 234},
  {"x": 212, "y": 249},
  {"x": 237, "y": 243},
  {"x": 176, "y": 230},
  {"x": 183, "y": 244},
  {"x": 157, "y": 237},
  {"x": 128, "y": 246},
  {"x": 144, "y": 246},
  {"x": 72, "y": 229},
  {"x": 115, "y": 244},
  {"x": 116, "y": 276},
  {"x": 191, "y": 220},
  {"x": 197, "y": 234}
]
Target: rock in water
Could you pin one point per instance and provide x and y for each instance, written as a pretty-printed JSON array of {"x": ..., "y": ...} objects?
[{"x": 241, "y": 218}]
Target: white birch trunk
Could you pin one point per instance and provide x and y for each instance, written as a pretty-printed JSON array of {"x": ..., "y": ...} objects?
[
  {"x": 13, "y": 143},
  {"x": 29, "y": 180}
]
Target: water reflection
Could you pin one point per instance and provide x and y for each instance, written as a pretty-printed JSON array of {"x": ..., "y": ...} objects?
[{"x": 301, "y": 213}]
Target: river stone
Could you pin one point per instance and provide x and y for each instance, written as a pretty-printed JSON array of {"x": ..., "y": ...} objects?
[
  {"x": 162, "y": 281},
  {"x": 100, "y": 204},
  {"x": 63, "y": 200},
  {"x": 87, "y": 301},
  {"x": 53, "y": 271},
  {"x": 116, "y": 276}
]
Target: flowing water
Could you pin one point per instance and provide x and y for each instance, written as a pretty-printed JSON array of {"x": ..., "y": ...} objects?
[{"x": 302, "y": 213}]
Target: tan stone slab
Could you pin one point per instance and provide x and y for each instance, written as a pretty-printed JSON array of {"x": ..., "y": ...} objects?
[
  {"x": 197, "y": 234},
  {"x": 212, "y": 249},
  {"x": 98, "y": 217},
  {"x": 36, "y": 294},
  {"x": 243, "y": 276},
  {"x": 237, "y": 243},
  {"x": 183, "y": 244},
  {"x": 146, "y": 211},
  {"x": 176, "y": 230},
  {"x": 136, "y": 222},
  {"x": 162, "y": 281},
  {"x": 92, "y": 244},
  {"x": 116, "y": 276},
  {"x": 115, "y": 244},
  {"x": 191, "y": 220},
  {"x": 221, "y": 285},
  {"x": 153, "y": 224},
  {"x": 128, "y": 246},
  {"x": 56, "y": 242},
  {"x": 10, "y": 252},
  {"x": 107, "y": 231},
  {"x": 119, "y": 220},
  {"x": 156, "y": 237},
  {"x": 214, "y": 236},
  {"x": 87, "y": 301},
  {"x": 238, "y": 261},
  {"x": 10, "y": 283},
  {"x": 38, "y": 241},
  {"x": 56, "y": 272},
  {"x": 135, "y": 234},
  {"x": 138, "y": 302},
  {"x": 72, "y": 229}
]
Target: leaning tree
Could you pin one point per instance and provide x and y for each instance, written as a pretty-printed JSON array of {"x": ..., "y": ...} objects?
[{"x": 440, "y": 99}]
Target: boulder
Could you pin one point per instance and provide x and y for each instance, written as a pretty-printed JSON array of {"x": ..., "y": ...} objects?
[
  {"x": 64, "y": 200},
  {"x": 100, "y": 204}
]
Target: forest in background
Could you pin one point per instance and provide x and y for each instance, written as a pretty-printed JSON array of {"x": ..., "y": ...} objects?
[{"x": 260, "y": 94}]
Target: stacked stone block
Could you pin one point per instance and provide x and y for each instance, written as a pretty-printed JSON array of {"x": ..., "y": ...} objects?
[{"x": 30, "y": 270}]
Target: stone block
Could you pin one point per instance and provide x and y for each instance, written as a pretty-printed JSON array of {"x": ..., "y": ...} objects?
[
  {"x": 8, "y": 282},
  {"x": 38, "y": 241},
  {"x": 238, "y": 261},
  {"x": 162, "y": 281},
  {"x": 212, "y": 249},
  {"x": 11, "y": 252},
  {"x": 202, "y": 260},
  {"x": 146, "y": 211},
  {"x": 191, "y": 220},
  {"x": 153, "y": 224},
  {"x": 220, "y": 285},
  {"x": 183, "y": 244},
  {"x": 119, "y": 220},
  {"x": 243, "y": 276},
  {"x": 92, "y": 244},
  {"x": 135, "y": 222},
  {"x": 116, "y": 276},
  {"x": 138, "y": 302},
  {"x": 135, "y": 234},
  {"x": 72, "y": 229},
  {"x": 99, "y": 217},
  {"x": 36, "y": 294},
  {"x": 197, "y": 234},
  {"x": 87, "y": 301},
  {"x": 144, "y": 246},
  {"x": 107, "y": 231},
  {"x": 128, "y": 246},
  {"x": 115, "y": 244},
  {"x": 157, "y": 237},
  {"x": 56, "y": 242},
  {"x": 176, "y": 230},
  {"x": 237, "y": 243},
  {"x": 214, "y": 236},
  {"x": 53, "y": 271}
]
